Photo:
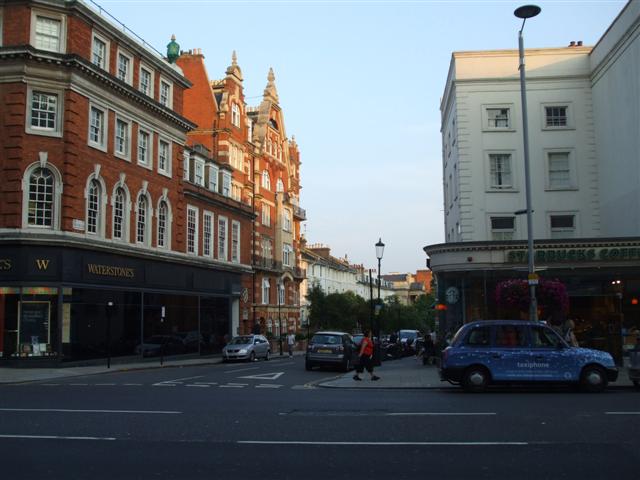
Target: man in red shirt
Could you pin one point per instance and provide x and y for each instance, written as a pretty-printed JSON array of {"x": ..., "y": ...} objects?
[{"x": 366, "y": 357}]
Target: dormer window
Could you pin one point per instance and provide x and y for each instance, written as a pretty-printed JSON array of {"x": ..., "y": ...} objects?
[{"x": 235, "y": 115}]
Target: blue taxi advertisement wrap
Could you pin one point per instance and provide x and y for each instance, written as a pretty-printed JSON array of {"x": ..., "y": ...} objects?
[{"x": 515, "y": 351}]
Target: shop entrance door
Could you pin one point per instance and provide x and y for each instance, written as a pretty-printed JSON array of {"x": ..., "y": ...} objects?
[{"x": 34, "y": 333}]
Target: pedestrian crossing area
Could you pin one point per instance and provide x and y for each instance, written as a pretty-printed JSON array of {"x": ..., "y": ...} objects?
[{"x": 195, "y": 385}]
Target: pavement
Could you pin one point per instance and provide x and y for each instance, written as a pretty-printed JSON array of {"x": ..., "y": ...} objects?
[{"x": 406, "y": 373}]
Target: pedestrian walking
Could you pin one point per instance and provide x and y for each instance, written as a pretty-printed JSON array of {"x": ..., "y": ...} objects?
[
  {"x": 291, "y": 343},
  {"x": 366, "y": 357}
]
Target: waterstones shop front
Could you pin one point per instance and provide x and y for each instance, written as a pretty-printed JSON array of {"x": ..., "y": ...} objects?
[
  {"x": 602, "y": 277},
  {"x": 66, "y": 304}
]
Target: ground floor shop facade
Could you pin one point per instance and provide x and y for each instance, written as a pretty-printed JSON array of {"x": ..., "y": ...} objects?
[
  {"x": 62, "y": 304},
  {"x": 602, "y": 278}
]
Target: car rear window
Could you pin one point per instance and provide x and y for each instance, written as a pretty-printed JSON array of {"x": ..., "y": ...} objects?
[{"x": 326, "y": 339}]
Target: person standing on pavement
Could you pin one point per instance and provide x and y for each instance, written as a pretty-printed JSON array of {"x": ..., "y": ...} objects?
[
  {"x": 291, "y": 343},
  {"x": 366, "y": 357}
]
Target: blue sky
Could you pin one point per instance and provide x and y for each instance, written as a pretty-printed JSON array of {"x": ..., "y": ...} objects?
[{"x": 360, "y": 85}]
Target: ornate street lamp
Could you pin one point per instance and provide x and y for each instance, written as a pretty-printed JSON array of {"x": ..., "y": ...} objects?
[{"x": 524, "y": 12}]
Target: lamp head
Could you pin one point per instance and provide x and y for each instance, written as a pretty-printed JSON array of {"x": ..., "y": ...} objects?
[
  {"x": 527, "y": 11},
  {"x": 379, "y": 249}
]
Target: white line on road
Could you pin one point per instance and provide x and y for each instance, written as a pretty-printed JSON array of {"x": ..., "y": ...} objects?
[
  {"x": 132, "y": 384},
  {"x": 177, "y": 380},
  {"x": 460, "y": 444},
  {"x": 200, "y": 386},
  {"x": 66, "y": 410},
  {"x": 55, "y": 437},
  {"x": 268, "y": 385},
  {"x": 242, "y": 370},
  {"x": 79, "y": 384},
  {"x": 622, "y": 413},
  {"x": 164, "y": 385},
  {"x": 104, "y": 384},
  {"x": 205, "y": 383},
  {"x": 436, "y": 414}
]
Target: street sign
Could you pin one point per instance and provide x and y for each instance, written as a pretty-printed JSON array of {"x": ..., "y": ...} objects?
[{"x": 533, "y": 278}]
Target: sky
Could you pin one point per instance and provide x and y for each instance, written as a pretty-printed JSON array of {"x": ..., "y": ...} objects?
[{"x": 360, "y": 84}]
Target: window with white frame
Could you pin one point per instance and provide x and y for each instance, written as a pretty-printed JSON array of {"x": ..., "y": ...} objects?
[
  {"x": 556, "y": 116},
  {"x": 192, "y": 230},
  {"x": 207, "y": 234},
  {"x": 41, "y": 198},
  {"x": 502, "y": 228},
  {"x": 198, "y": 172},
  {"x": 286, "y": 224},
  {"x": 267, "y": 250},
  {"x": 124, "y": 67},
  {"x": 266, "y": 291},
  {"x": 44, "y": 113},
  {"x": 235, "y": 115},
  {"x": 279, "y": 185},
  {"x": 235, "y": 241},
  {"x": 281, "y": 294},
  {"x": 287, "y": 252},
  {"x": 213, "y": 177},
  {"x": 97, "y": 127},
  {"x": 559, "y": 170},
  {"x": 236, "y": 157},
  {"x": 498, "y": 118},
  {"x": 562, "y": 226},
  {"x": 249, "y": 129},
  {"x": 166, "y": 97},
  {"x": 48, "y": 33},
  {"x": 142, "y": 220},
  {"x": 144, "y": 147},
  {"x": 94, "y": 204},
  {"x": 164, "y": 157},
  {"x": 119, "y": 209},
  {"x": 266, "y": 181},
  {"x": 223, "y": 235},
  {"x": 100, "y": 52},
  {"x": 500, "y": 171},
  {"x": 266, "y": 215},
  {"x": 226, "y": 183},
  {"x": 122, "y": 143},
  {"x": 186, "y": 165},
  {"x": 236, "y": 191},
  {"x": 146, "y": 81},
  {"x": 164, "y": 225}
]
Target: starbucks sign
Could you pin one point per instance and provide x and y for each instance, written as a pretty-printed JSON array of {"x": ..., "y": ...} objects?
[{"x": 573, "y": 255}]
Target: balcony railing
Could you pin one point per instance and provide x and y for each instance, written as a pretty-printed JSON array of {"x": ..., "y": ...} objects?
[{"x": 299, "y": 213}]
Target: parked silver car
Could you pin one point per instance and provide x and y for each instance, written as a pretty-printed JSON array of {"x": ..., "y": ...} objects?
[
  {"x": 247, "y": 347},
  {"x": 330, "y": 349}
]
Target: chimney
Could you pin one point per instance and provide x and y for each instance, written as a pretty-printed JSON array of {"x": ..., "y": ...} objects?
[
  {"x": 579, "y": 43},
  {"x": 572, "y": 44}
]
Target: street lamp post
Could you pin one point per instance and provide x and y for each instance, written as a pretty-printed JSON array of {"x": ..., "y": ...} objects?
[
  {"x": 524, "y": 12},
  {"x": 379, "y": 253},
  {"x": 279, "y": 285}
]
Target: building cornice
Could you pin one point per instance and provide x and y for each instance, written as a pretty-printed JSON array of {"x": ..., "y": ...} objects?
[
  {"x": 223, "y": 202},
  {"x": 28, "y": 53}
]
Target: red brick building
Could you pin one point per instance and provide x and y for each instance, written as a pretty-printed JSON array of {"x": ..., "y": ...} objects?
[
  {"x": 115, "y": 239},
  {"x": 265, "y": 169}
]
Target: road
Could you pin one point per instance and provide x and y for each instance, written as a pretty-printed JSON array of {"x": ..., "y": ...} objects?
[{"x": 270, "y": 420}]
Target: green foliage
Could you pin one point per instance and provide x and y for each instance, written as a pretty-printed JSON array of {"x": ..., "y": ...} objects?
[{"x": 349, "y": 312}]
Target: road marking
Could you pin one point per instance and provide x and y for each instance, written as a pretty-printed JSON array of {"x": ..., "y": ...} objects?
[
  {"x": 435, "y": 414},
  {"x": 242, "y": 370},
  {"x": 79, "y": 384},
  {"x": 67, "y": 410},
  {"x": 268, "y": 385},
  {"x": 234, "y": 385},
  {"x": 622, "y": 413},
  {"x": 49, "y": 384},
  {"x": 104, "y": 384},
  {"x": 265, "y": 376},
  {"x": 176, "y": 381},
  {"x": 164, "y": 385},
  {"x": 132, "y": 384},
  {"x": 55, "y": 437},
  {"x": 200, "y": 386},
  {"x": 205, "y": 383},
  {"x": 460, "y": 444}
]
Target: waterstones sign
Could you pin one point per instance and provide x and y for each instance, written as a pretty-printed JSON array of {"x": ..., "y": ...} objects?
[
  {"x": 578, "y": 255},
  {"x": 110, "y": 271}
]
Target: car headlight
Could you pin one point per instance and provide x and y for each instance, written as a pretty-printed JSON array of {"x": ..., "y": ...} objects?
[{"x": 242, "y": 351}]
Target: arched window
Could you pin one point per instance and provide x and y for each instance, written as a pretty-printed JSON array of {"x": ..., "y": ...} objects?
[
  {"x": 279, "y": 186},
  {"x": 266, "y": 181},
  {"x": 119, "y": 209},
  {"x": 164, "y": 225},
  {"x": 143, "y": 219},
  {"x": 94, "y": 207},
  {"x": 41, "y": 198}
]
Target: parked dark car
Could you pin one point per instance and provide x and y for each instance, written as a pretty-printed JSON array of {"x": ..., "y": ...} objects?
[
  {"x": 334, "y": 349},
  {"x": 514, "y": 351}
]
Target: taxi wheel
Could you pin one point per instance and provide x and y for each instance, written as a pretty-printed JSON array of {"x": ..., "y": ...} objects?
[
  {"x": 475, "y": 379},
  {"x": 593, "y": 379}
]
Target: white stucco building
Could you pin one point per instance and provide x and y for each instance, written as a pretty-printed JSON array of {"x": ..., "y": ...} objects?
[{"x": 584, "y": 134}]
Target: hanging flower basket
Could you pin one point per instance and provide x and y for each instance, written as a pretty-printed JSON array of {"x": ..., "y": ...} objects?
[{"x": 513, "y": 294}]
